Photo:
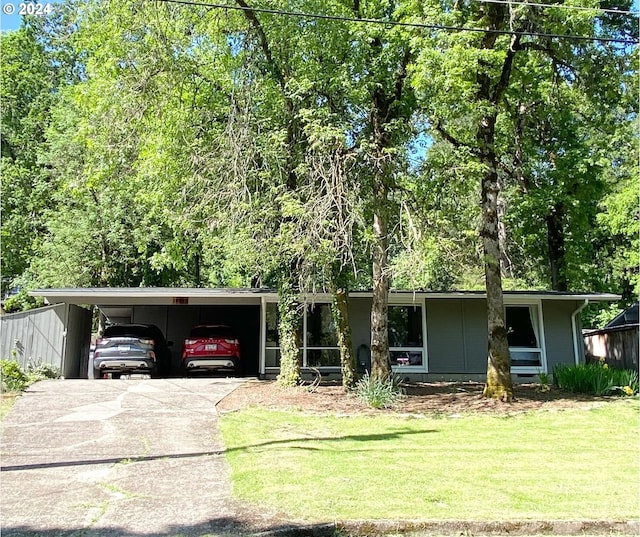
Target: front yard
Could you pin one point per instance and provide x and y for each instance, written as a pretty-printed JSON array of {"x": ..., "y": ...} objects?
[{"x": 576, "y": 462}]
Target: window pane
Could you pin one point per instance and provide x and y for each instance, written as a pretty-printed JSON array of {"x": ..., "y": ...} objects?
[
  {"x": 273, "y": 338},
  {"x": 520, "y": 332},
  {"x": 272, "y": 357},
  {"x": 323, "y": 357},
  {"x": 405, "y": 326},
  {"x": 525, "y": 359},
  {"x": 212, "y": 331},
  {"x": 272, "y": 318},
  {"x": 321, "y": 331},
  {"x": 406, "y": 358}
]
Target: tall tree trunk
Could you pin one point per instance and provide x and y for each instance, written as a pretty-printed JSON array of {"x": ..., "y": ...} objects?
[
  {"x": 340, "y": 310},
  {"x": 490, "y": 93},
  {"x": 506, "y": 266},
  {"x": 380, "y": 362},
  {"x": 498, "y": 384},
  {"x": 557, "y": 251}
]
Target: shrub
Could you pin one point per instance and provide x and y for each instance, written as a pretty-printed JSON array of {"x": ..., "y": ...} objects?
[
  {"x": 380, "y": 392},
  {"x": 595, "y": 379},
  {"x": 42, "y": 371},
  {"x": 15, "y": 379}
]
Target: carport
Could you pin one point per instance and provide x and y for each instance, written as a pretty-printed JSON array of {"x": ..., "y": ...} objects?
[{"x": 175, "y": 311}]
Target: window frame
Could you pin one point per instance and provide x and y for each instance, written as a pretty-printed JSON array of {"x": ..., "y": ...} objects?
[
  {"x": 541, "y": 348},
  {"x": 305, "y": 346}
]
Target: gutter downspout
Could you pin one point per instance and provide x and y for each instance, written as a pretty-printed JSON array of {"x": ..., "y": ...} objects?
[{"x": 574, "y": 329}]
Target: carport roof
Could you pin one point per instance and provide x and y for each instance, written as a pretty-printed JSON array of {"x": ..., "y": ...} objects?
[
  {"x": 150, "y": 295},
  {"x": 181, "y": 296}
]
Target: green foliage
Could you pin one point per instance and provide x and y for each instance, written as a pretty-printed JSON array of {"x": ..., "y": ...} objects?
[
  {"x": 380, "y": 392},
  {"x": 596, "y": 379},
  {"x": 21, "y": 302},
  {"x": 599, "y": 315},
  {"x": 27, "y": 94},
  {"x": 16, "y": 379},
  {"x": 41, "y": 371}
]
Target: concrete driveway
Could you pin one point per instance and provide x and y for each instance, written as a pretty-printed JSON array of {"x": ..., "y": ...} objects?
[{"x": 118, "y": 457}]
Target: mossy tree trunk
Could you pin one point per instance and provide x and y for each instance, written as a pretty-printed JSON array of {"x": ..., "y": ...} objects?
[
  {"x": 380, "y": 362},
  {"x": 289, "y": 312},
  {"x": 498, "y": 384},
  {"x": 340, "y": 310}
]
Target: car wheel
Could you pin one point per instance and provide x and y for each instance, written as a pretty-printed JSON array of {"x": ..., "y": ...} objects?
[{"x": 97, "y": 374}]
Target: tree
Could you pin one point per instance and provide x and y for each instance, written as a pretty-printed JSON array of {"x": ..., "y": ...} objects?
[
  {"x": 28, "y": 91},
  {"x": 467, "y": 79},
  {"x": 386, "y": 102}
]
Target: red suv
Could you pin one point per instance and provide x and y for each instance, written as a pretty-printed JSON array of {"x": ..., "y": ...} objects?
[{"x": 211, "y": 348}]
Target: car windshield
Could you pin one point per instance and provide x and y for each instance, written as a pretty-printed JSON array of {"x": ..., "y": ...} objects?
[{"x": 212, "y": 331}]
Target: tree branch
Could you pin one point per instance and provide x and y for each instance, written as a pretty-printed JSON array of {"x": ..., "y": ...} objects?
[
  {"x": 505, "y": 75},
  {"x": 448, "y": 137},
  {"x": 264, "y": 42}
]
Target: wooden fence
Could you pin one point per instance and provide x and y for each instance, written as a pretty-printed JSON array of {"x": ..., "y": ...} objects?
[
  {"x": 58, "y": 335},
  {"x": 617, "y": 346}
]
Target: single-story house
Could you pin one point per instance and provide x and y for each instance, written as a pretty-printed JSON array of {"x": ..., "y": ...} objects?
[{"x": 433, "y": 335}]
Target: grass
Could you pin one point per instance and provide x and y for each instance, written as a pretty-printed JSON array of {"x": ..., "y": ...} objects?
[
  {"x": 6, "y": 403},
  {"x": 562, "y": 465}
]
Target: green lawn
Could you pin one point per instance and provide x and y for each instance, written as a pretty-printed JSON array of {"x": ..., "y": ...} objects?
[{"x": 561, "y": 465}]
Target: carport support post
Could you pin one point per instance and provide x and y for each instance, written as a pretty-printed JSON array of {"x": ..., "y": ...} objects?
[{"x": 263, "y": 336}]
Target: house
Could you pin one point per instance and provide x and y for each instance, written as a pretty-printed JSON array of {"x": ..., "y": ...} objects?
[{"x": 433, "y": 335}]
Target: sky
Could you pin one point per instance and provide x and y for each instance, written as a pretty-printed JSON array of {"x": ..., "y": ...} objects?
[{"x": 10, "y": 17}]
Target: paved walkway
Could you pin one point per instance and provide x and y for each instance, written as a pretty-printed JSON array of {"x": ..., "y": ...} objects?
[{"x": 117, "y": 457}]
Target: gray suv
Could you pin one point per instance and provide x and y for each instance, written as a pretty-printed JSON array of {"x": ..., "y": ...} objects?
[{"x": 126, "y": 349}]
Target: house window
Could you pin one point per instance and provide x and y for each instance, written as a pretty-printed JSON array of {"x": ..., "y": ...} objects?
[
  {"x": 406, "y": 346},
  {"x": 319, "y": 345},
  {"x": 523, "y": 335},
  {"x": 321, "y": 341}
]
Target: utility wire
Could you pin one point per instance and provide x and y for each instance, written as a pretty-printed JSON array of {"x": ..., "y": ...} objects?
[
  {"x": 419, "y": 25},
  {"x": 562, "y": 6}
]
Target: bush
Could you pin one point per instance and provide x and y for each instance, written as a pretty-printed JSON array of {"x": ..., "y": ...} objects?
[
  {"x": 596, "y": 379},
  {"x": 381, "y": 392},
  {"x": 15, "y": 379},
  {"x": 42, "y": 371}
]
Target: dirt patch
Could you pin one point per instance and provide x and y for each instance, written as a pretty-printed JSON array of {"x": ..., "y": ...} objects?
[{"x": 441, "y": 398}]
